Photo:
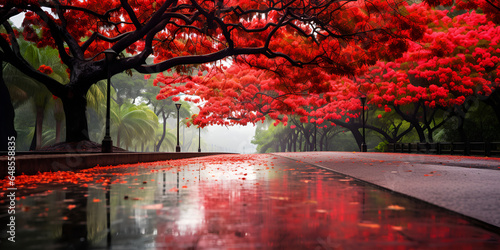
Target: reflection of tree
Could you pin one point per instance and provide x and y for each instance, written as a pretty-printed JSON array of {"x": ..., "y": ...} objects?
[
  {"x": 296, "y": 208},
  {"x": 31, "y": 221},
  {"x": 96, "y": 216},
  {"x": 134, "y": 211},
  {"x": 75, "y": 229}
]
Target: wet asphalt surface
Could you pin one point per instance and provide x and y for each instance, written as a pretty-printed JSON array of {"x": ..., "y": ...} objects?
[{"x": 229, "y": 202}]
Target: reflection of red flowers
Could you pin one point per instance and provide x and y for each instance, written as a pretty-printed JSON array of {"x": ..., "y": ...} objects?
[{"x": 45, "y": 69}]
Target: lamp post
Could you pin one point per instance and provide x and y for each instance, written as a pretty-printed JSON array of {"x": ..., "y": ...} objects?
[
  {"x": 199, "y": 139},
  {"x": 178, "y": 147},
  {"x": 363, "y": 144},
  {"x": 107, "y": 143}
]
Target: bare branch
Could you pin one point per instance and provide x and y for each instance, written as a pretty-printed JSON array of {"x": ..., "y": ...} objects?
[{"x": 131, "y": 13}]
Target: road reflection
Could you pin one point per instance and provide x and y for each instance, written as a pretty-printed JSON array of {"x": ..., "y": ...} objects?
[{"x": 240, "y": 201}]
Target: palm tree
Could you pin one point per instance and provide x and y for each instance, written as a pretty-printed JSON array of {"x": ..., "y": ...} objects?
[
  {"x": 23, "y": 88},
  {"x": 168, "y": 140},
  {"x": 130, "y": 121},
  {"x": 96, "y": 114}
]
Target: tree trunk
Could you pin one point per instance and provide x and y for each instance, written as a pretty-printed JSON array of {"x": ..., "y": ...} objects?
[
  {"x": 7, "y": 130},
  {"x": 413, "y": 120},
  {"x": 59, "y": 117},
  {"x": 118, "y": 138},
  {"x": 294, "y": 141},
  {"x": 75, "y": 107},
  {"x": 305, "y": 143},
  {"x": 157, "y": 146},
  {"x": 58, "y": 131},
  {"x": 430, "y": 138},
  {"x": 33, "y": 141},
  {"x": 326, "y": 142},
  {"x": 420, "y": 131},
  {"x": 300, "y": 136},
  {"x": 39, "y": 126},
  {"x": 357, "y": 136},
  {"x": 314, "y": 138},
  {"x": 322, "y": 139},
  {"x": 289, "y": 146}
]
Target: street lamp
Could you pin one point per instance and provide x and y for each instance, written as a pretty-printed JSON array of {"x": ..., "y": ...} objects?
[
  {"x": 107, "y": 143},
  {"x": 199, "y": 139},
  {"x": 363, "y": 144},
  {"x": 178, "y": 147}
]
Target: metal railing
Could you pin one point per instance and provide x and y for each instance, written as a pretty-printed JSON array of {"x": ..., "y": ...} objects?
[{"x": 448, "y": 148}]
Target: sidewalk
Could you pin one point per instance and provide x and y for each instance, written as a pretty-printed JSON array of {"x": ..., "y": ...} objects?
[{"x": 467, "y": 185}]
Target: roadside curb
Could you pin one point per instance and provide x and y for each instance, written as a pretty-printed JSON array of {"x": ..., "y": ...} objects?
[{"x": 32, "y": 164}]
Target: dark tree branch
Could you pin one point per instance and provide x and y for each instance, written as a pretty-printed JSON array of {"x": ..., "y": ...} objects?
[
  {"x": 6, "y": 14},
  {"x": 493, "y": 5},
  {"x": 57, "y": 32},
  {"x": 104, "y": 16},
  {"x": 131, "y": 13}
]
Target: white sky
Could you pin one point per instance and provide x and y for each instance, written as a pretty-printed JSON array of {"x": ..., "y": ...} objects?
[
  {"x": 17, "y": 20},
  {"x": 235, "y": 139}
]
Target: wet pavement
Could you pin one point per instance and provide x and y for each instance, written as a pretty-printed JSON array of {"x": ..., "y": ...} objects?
[
  {"x": 226, "y": 202},
  {"x": 464, "y": 184}
]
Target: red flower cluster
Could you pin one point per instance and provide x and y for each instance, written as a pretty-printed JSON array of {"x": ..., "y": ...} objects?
[{"x": 45, "y": 69}]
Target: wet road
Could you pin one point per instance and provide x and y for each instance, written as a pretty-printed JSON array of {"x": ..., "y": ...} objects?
[{"x": 226, "y": 202}]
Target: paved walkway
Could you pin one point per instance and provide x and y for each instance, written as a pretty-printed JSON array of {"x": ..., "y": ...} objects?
[
  {"x": 280, "y": 201},
  {"x": 467, "y": 185}
]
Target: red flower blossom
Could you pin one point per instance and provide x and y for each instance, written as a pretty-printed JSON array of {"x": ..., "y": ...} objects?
[{"x": 45, "y": 69}]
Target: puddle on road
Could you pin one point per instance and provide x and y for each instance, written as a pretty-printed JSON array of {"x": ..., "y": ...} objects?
[{"x": 236, "y": 201}]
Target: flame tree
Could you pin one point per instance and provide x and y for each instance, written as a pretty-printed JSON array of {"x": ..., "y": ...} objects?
[{"x": 341, "y": 37}]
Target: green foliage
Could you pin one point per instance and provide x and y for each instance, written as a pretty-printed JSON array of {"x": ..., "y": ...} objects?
[
  {"x": 480, "y": 124},
  {"x": 270, "y": 138},
  {"x": 392, "y": 124},
  {"x": 24, "y": 89},
  {"x": 265, "y": 136},
  {"x": 129, "y": 87},
  {"x": 133, "y": 123},
  {"x": 382, "y": 147},
  {"x": 343, "y": 141}
]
